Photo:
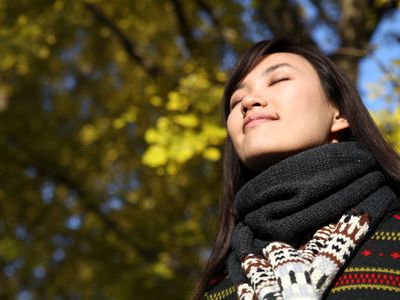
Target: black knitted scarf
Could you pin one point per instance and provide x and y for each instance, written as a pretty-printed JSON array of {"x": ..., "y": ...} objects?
[{"x": 300, "y": 220}]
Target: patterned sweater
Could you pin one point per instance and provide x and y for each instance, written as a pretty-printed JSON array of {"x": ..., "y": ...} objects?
[{"x": 373, "y": 273}]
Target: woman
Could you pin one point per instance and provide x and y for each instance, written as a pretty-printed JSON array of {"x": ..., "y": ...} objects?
[{"x": 310, "y": 198}]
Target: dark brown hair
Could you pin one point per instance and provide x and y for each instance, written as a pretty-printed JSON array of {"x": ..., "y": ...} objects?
[{"x": 339, "y": 92}]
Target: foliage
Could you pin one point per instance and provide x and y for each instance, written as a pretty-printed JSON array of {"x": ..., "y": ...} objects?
[
  {"x": 388, "y": 89},
  {"x": 111, "y": 140},
  {"x": 189, "y": 127}
]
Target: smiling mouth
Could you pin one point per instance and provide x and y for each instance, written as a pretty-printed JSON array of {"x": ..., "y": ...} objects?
[{"x": 252, "y": 122}]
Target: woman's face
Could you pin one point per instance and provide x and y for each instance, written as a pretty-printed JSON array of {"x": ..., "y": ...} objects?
[{"x": 280, "y": 109}]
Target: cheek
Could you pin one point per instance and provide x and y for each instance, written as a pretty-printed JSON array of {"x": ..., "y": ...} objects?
[
  {"x": 234, "y": 129},
  {"x": 232, "y": 125},
  {"x": 229, "y": 126},
  {"x": 307, "y": 117},
  {"x": 314, "y": 125}
]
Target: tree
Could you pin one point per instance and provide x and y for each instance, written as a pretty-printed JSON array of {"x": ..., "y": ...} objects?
[
  {"x": 388, "y": 88},
  {"x": 110, "y": 138}
]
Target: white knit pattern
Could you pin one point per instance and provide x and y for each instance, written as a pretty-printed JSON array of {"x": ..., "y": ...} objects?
[
  {"x": 261, "y": 276},
  {"x": 245, "y": 292},
  {"x": 304, "y": 274}
]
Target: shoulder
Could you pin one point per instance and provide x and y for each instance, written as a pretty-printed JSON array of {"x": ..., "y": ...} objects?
[
  {"x": 374, "y": 271},
  {"x": 220, "y": 289}
]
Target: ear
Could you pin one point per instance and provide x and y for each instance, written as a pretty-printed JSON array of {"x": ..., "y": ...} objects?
[{"x": 338, "y": 122}]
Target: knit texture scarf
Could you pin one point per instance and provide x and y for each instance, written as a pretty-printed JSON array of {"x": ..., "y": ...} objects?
[{"x": 300, "y": 220}]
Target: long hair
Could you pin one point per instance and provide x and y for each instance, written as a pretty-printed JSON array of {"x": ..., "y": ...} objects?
[{"x": 339, "y": 91}]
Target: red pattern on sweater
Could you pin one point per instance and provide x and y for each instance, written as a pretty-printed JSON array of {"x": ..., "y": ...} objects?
[{"x": 368, "y": 278}]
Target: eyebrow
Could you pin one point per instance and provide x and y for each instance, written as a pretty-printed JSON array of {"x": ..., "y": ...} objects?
[{"x": 265, "y": 72}]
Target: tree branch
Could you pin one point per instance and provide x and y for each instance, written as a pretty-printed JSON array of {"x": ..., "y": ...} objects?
[
  {"x": 48, "y": 168},
  {"x": 284, "y": 19},
  {"x": 322, "y": 14},
  {"x": 353, "y": 52},
  {"x": 127, "y": 44},
  {"x": 207, "y": 9},
  {"x": 184, "y": 26},
  {"x": 393, "y": 78},
  {"x": 214, "y": 20},
  {"x": 355, "y": 30}
]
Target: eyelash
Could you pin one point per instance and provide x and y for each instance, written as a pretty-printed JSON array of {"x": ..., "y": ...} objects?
[
  {"x": 235, "y": 103},
  {"x": 272, "y": 82}
]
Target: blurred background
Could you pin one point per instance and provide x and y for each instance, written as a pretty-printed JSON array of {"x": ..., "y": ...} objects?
[{"x": 111, "y": 135}]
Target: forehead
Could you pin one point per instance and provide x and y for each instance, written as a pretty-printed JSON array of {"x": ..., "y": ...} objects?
[
  {"x": 278, "y": 61},
  {"x": 283, "y": 59}
]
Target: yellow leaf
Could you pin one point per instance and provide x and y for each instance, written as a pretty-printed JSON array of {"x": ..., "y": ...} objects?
[
  {"x": 119, "y": 123},
  {"x": 51, "y": 39},
  {"x": 215, "y": 134},
  {"x": 162, "y": 270},
  {"x": 221, "y": 76},
  {"x": 85, "y": 272},
  {"x": 44, "y": 52},
  {"x": 121, "y": 57},
  {"x": 151, "y": 136},
  {"x": 22, "y": 69},
  {"x": 131, "y": 114},
  {"x": 176, "y": 102},
  {"x": 111, "y": 155},
  {"x": 58, "y": 5},
  {"x": 8, "y": 62},
  {"x": 150, "y": 89},
  {"x": 163, "y": 124},
  {"x": 4, "y": 93},
  {"x": 182, "y": 152},
  {"x": 212, "y": 154},
  {"x": 148, "y": 203},
  {"x": 22, "y": 20},
  {"x": 172, "y": 169},
  {"x": 156, "y": 101},
  {"x": 9, "y": 248},
  {"x": 189, "y": 121},
  {"x": 88, "y": 134},
  {"x": 155, "y": 156}
]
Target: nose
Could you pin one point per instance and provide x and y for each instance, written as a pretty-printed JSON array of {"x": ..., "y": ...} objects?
[{"x": 250, "y": 101}]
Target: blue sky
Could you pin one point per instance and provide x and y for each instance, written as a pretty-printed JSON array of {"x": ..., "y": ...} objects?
[{"x": 386, "y": 51}]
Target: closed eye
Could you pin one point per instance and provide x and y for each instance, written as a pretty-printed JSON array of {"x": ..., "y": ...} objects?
[
  {"x": 235, "y": 102},
  {"x": 277, "y": 80}
]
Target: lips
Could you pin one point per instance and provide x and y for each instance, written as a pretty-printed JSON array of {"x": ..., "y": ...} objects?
[{"x": 257, "y": 118}]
